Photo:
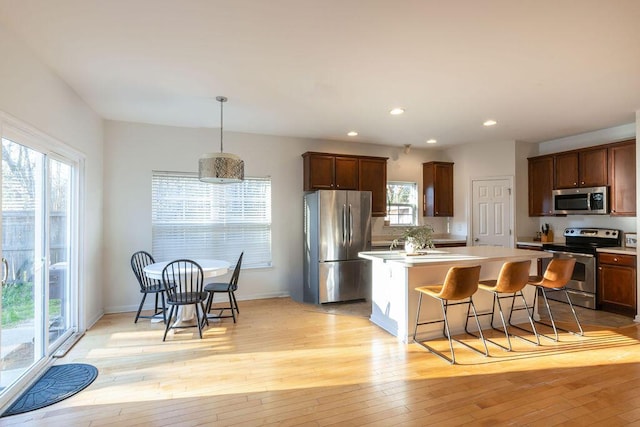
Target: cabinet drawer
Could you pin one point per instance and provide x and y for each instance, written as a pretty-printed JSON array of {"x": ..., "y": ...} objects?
[{"x": 617, "y": 259}]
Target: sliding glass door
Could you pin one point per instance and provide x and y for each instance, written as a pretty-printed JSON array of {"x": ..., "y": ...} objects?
[
  {"x": 39, "y": 304},
  {"x": 22, "y": 249},
  {"x": 59, "y": 237}
]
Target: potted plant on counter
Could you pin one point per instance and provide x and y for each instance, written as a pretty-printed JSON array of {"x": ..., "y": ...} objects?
[{"x": 415, "y": 238}]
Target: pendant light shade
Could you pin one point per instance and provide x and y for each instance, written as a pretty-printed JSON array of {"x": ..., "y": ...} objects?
[{"x": 220, "y": 168}]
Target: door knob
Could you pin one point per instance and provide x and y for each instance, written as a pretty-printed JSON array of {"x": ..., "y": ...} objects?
[{"x": 476, "y": 240}]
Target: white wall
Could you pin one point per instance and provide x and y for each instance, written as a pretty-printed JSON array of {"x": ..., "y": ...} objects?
[
  {"x": 477, "y": 161},
  {"x": 525, "y": 225},
  {"x": 132, "y": 151},
  {"x": 30, "y": 92},
  {"x": 588, "y": 139}
]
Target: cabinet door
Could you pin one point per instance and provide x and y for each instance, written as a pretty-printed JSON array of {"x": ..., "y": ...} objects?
[
  {"x": 617, "y": 289},
  {"x": 593, "y": 168},
  {"x": 319, "y": 172},
  {"x": 346, "y": 173},
  {"x": 622, "y": 178},
  {"x": 373, "y": 177},
  {"x": 585, "y": 168},
  {"x": 437, "y": 180},
  {"x": 540, "y": 186},
  {"x": 567, "y": 170},
  {"x": 444, "y": 189}
]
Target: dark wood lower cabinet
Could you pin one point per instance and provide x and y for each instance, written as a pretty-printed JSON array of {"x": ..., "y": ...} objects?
[
  {"x": 617, "y": 283},
  {"x": 449, "y": 245}
]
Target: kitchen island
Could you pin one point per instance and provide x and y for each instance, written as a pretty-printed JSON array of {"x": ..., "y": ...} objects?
[{"x": 395, "y": 275}]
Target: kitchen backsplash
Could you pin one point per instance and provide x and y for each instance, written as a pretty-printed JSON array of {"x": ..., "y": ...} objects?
[
  {"x": 443, "y": 226},
  {"x": 440, "y": 226},
  {"x": 558, "y": 224}
]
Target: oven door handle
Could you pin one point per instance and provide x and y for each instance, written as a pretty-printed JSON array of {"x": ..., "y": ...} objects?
[
  {"x": 581, "y": 293},
  {"x": 571, "y": 254}
]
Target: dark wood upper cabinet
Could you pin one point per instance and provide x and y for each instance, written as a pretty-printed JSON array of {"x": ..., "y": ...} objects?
[
  {"x": 373, "y": 177},
  {"x": 346, "y": 173},
  {"x": 566, "y": 170},
  {"x": 541, "y": 186},
  {"x": 582, "y": 168},
  {"x": 326, "y": 171},
  {"x": 437, "y": 185},
  {"x": 611, "y": 164},
  {"x": 319, "y": 172},
  {"x": 622, "y": 178}
]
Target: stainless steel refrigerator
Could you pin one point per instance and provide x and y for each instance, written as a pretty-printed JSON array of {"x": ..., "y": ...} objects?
[{"x": 337, "y": 225}]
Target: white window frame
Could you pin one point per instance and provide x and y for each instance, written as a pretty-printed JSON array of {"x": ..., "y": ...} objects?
[
  {"x": 193, "y": 219},
  {"x": 413, "y": 204}
]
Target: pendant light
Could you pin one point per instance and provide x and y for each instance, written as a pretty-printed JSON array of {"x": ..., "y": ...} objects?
[{"x": 220, "y": 168}]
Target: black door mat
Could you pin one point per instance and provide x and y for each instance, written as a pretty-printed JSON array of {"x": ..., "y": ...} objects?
[{"x": 57, "y": 383}]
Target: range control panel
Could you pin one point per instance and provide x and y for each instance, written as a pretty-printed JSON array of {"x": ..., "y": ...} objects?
[{"x": 606, "y": 233}]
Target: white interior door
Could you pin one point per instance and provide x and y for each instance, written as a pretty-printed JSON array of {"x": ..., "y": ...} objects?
[{"x": 491, "y": 216}]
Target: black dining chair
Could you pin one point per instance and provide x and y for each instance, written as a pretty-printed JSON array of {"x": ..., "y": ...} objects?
[
  {"x": 229, "y": 289},
  {"x": 184, "y": 280},
  {"x": 139, "y": 261}
]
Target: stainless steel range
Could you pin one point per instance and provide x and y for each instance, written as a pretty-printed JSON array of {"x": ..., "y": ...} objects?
[{"x": 581, "y": 244}]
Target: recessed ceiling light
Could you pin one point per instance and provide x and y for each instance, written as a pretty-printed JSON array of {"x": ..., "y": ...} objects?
[
  {"x": 396, "y": 111},
  {"x": 431, "y": 141},
  {"x": 352, "y": 133},
  {"x": 489, "y": 123}
]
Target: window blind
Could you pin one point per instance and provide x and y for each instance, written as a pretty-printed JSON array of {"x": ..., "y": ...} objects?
[{"x": 193, "y": 219}]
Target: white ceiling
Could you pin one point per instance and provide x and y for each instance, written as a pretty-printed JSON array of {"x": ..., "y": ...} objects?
[{"x": 319, "y": 68}]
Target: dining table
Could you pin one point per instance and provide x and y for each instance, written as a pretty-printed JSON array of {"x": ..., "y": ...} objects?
[{"x": 210, "y": 268}]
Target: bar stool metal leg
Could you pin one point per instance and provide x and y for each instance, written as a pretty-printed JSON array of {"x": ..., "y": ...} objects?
[
  {"x": 459, "y": 285},
  {"x": 496, "y": 299},
  {"x": 530, "y": 316},
  {"x": 475, "y": 315}
]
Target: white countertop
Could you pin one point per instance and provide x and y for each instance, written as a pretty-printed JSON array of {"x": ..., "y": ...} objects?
[
  {"x": 618, "y": 250},
  {"x": 530, "y": 242},
  {"x": 455, "y": 256},
  {"x": 614, "y": 250}
]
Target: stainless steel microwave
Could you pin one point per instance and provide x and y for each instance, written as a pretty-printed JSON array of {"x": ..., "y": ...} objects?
[{"x": 581, "y": 201}]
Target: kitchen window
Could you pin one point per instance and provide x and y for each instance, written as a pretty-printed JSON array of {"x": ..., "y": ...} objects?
[
  {"x": 194, "y": 219},
  {"x": 402, "y": 203}
]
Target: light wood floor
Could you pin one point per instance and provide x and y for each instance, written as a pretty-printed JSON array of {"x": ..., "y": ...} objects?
[{"x": 286, "y": 363}]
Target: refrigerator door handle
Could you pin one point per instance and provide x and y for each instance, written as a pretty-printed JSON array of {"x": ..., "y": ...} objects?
[
  {"x": 350, "y": 225},
  {"x": 344, "y": 225}
]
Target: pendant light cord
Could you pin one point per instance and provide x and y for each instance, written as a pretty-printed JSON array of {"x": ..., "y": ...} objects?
[
  {"x": 221, "y": 125},
  {"x": 222, "y": 100}
]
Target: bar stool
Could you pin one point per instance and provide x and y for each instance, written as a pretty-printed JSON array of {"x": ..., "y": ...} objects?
[
  {"x": 513, "y": 277},
  {"x": 556, "y": 277},
  {"x": 459, "y": 284}
]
